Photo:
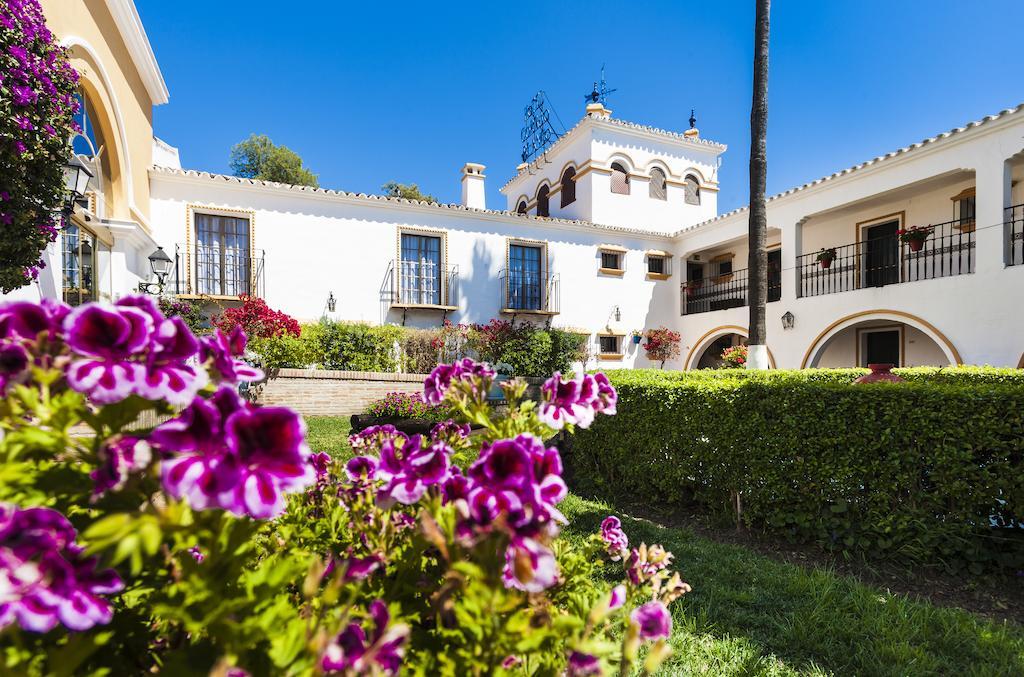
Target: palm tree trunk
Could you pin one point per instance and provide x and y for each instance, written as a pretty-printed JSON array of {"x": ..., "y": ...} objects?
[{"x": 757, "y": 357}]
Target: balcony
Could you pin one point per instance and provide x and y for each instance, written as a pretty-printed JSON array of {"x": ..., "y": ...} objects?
[
  {"x": 1015, "y": 235},
  {"x": 528, "y": 293},
  {"x": 881, "y": 261},
  {"x": 217, "y": 272},
  {"x": 720, "y": 292},
  {"x": 421, "y": 285}
]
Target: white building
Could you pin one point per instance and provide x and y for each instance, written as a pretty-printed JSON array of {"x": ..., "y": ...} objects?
[{"x": 601, "y": 234}]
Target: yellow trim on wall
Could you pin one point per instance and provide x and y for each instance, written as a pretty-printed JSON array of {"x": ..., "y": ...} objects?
[
  {"x": 898, "y": 313},
  {"x": 723, "y": 330},
  {"x": 193, "y": 207}
]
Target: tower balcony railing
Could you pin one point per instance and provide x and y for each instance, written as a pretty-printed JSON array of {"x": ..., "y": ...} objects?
[
  {"x": 217, "y": 272},
  {"x": 724, "y": 291},
  {"x": 1014, "y": 228},
  {"x": 881, "y": 261},
  {"x": 528, "y": 292}
]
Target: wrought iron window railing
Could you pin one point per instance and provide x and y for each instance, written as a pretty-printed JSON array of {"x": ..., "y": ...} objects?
[
  {"x": 528, "y": 291},
  {"x": 881, "y": 261},
  {"x": 218, "y": 271},
  {"x": 1014, "y": 228},
  {"x": 422, "y": 283},
  {"x": 720, "y": 292}
]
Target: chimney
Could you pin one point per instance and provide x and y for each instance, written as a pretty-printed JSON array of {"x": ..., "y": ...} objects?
[
  {"x": 473, "y": 194},
  {"x": 597, "y": 110}
]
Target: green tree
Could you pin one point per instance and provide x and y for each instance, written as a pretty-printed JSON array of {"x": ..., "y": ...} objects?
[
  {"x": 408, "y": 191},
  {"x": 258, "y": 158}
]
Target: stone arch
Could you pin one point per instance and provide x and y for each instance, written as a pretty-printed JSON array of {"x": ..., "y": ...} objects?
[
  {"x": 817, "y": 346},
  {"x": 705, "y": 341}
]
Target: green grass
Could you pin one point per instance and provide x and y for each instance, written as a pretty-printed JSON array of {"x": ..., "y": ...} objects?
[{"x": 752, "y": 615}]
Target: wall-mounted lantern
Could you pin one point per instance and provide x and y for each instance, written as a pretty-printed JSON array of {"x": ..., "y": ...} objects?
[{"x": 788, "y": 320}]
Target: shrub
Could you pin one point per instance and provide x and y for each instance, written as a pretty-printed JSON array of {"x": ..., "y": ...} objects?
[
  {"x": 190, "y": 311},
  {"x": 283, "y": 351},
  {"x": 928, "y": 471},
  {"x": 37, "y": 109},
  {"x": 216, "y": 543},
  {"x": 662, "y": 345},
  {"x": 419, "y": 350},
  {"x": 353, "y": 346},
  {"x": 407, "y": 405},
  {"x": 257, "y": 319},
  {"x": 529, "y": 350}
]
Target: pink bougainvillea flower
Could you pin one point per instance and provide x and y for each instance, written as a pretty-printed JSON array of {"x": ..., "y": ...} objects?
[
  {"x": 224, "y": 453},
  {"x": 529, "y": 566},
  {"x": 44, "y": 579},
  {"x": 352, "y": 652},
  {"x": 653, "y": 620}
]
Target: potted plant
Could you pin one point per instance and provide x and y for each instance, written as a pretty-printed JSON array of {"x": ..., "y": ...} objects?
[
  {"x": 734, "y": 357},
  {"x": 502, "y": 373},
  {"x": 915, "y": 236},
  {"x": 826, "y": 256},
  {"x": 662, "y": 345},
  {"x": 637, "y": 336},
  {"x": 693, "y": 286}
]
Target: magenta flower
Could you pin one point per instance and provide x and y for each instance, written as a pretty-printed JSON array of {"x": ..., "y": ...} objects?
[
  {"x": 107, "y": 336},
  {"x": 222, "y": 453},
  {"x": 354, "y": 568},
  {"x": 353, "y": 653},
  {"x": 361, "y": 468},
  {"x": 607, "y": 398},
  {"x": 44, "y": 579},
  {"x": 409, "y": 468},
  {"x": 583, "y": 665},
  {"x": 617, "y": 598},
  {"x": 567, "y": 401},
  {"x": 321, "y": 462},
  {"x": 529, "y": 566},
  {"x": 197, "y": 554},
  {"x": 21, "y": 319},
  {"x": 653, "y": 620},
  {"x": 14, "y": 362},
  {"x": 374, "y": 436},
  {"x": 614, "y": 537},
  {"x": 436, "y": 385},
  {"x": 450, "y": 431},
  {"x": 118, "y": 460},
  {"x": 168, "y": 375},
  {"x": 223, "y": 350}
]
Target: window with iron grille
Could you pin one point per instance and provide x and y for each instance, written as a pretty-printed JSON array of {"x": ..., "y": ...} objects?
[
  {"x": 609, "y": 344},
  {"x": 420, "y": 270},
  {"x": 965, "y": 209},
  {"x": 611, "y": 260},
  {"x": 656, "y": 265},
  {"x": 692, "y": 190},
  {"x": 542, "y": 201},
  {"x": 78, "y": 256},
  {"x": 525, "y": 277},
  {"x": 725, "y": 267},
  {"x": 658, "y": 186},
  {"x": 223, "y": 256},
  {"x": 620, "y": 179},
  {"x": 568, "y": 186}
]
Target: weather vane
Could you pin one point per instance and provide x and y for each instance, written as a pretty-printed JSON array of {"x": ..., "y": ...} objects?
[
  {"x": 600, "y": 92},
  {"x": 538, "y": 132}
]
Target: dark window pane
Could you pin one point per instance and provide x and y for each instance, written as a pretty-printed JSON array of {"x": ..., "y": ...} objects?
[
  {"x": 223, "y": 259},
  {"x": 656, "y": 265},
  {"x": 609, "y": 344},
  {"x": 524, "y": 277},
  {"x": 420, "y": 270},
  {"x": 610, "y": 260}
]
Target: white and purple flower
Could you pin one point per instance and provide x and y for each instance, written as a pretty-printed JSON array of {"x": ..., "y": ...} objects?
[
  {"x": 652, "y": 620},
  {"x": 615, "y": 539},
  {"x": 440, "y": 380},
  {"x": 576, "y": 401},
  {"x": 118, "y": 460},
  {"x": 352, "y": 652}
]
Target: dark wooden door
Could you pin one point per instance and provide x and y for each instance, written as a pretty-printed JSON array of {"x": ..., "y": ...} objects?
[
  {"x": 882, "y": 347},
  {"x": 881, "y": 254}
]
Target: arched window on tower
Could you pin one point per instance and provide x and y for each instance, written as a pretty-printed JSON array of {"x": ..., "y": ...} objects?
[
  {"x": 620, "y": 179},
  {"x": 521, "y": 209},
  {"x": 568, "y": 186},
  {"x": 542, "y": 201},
  {"x": 658, "y": 186},
  {"x": 692, "y": 190}
]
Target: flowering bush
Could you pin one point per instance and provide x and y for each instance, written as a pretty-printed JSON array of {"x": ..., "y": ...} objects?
[
  {"x": 662, "y": 345},
  {"x": 37, "y": 109},
  {"x": 914, "y": 233},
  {"x": 406, "y": 405},
  {"x": 734, "y": 357},
  {"x": 218, "y": 543},
  {"x": 191, "y": 312},
  {"x": 826, "y": 254},
  {"x": 257, "y": 319}
]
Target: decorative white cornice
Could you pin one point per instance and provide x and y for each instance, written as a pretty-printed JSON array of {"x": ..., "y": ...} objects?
[
  {"x": 135, "y": 39},
  {"x": 393, "y": 203},
  {"x": 913, "y": 151},
  {"x": 130, "y": 232}
]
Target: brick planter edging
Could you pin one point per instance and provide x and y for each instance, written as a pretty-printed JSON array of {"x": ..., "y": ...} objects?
[
  {"x": 341, "y": 375},
  {"x": 331, "y": 392}
]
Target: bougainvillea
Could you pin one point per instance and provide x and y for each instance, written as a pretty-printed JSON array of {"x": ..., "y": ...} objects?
[
  {"x": 216, "y": 542},
  {"x": 662, "y": 345},
  {"x": 37, "y": 109},
  {"x": 734, "y": 357},
  {"x": 256, "y": 319},
  {"x": 190, "y": 311}
]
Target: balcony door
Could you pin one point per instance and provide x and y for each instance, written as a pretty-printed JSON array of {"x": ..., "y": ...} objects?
[
  {"x": 223, "y": 256},
  {"x": 774, "y": 275},
  {"x": 420, "y": 276},
  {"x": 881, "y": 346},
  {"x": 525, "y": 277},
  {"x": 881, "y": 254}
]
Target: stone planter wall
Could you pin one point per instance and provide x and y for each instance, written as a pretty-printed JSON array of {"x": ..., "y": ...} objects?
[{"x": 321, "y": 392}]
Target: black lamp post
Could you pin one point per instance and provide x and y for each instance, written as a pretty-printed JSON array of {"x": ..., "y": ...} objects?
[
  {"x": 160, "y": 263},
  {"x": 76, "y": 182}
]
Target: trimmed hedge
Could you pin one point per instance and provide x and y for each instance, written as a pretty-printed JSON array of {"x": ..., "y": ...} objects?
[{"x": 928, "y": 471}]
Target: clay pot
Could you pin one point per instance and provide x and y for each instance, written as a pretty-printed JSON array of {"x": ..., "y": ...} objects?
[
  {"x": 825, "y": 263},
  {"x": 880, "y": 373},
  {"x": 915, "y": 245}
]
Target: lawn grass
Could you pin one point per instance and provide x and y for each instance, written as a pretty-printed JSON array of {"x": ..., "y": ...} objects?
[{"x": 751, "y": 615}]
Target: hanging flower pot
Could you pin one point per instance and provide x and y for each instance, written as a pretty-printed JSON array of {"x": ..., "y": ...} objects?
[
  {"x": 915, "y": 236},
  {"x": 637, "y": 337},
  {"x": 826, "y": 257},
  {"x": 916, "y": 245},
  {"x": 825, "y": 263}
]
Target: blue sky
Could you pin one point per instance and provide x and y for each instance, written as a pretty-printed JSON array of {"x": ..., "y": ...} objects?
[{"x": 370, "y": 92}]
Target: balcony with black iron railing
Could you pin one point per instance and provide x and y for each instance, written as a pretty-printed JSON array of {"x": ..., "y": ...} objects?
[
  {"x": 524, "y": 292},
  {"x": 876, "y": 262},
  {"x": 217, "y": 272},
  {"x": 1014, "y": 227},
  {"x": 721, "y": 292},
  {"x": 421, "y": 285}
]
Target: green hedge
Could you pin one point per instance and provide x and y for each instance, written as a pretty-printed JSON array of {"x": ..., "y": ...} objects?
[{"x": 926, "y": 471}]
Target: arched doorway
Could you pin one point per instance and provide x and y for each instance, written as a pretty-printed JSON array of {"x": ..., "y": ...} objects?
[
  {"x": 707, "y": 350},
  {"x": 889, "y": 336}
]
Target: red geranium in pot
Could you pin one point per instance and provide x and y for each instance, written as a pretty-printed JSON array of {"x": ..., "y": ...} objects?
[
  {"x": 915, "y": 236},
  {"x": 826, "y": 257}
]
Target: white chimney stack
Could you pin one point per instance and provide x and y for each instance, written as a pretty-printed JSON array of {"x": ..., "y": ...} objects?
[{"x": 473, "y": 193}]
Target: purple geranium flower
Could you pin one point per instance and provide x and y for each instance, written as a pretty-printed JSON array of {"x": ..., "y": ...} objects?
[
  {"x": 614, "y": 537},
  {"x": 653, "y": 620},
  {"x": 106, "y": 336},
  {"x": 226, "y": 454},
  {"x": 410, "y": 466},
  {"x": 617, "y": 598},
  {"x": 44, "y": 579},
  {"x": 14, "y": 363},
  {"x": 436, "y": 385},
  {"x": 21, "y": 319},
  {"x": 118, "y": 459},
  {"x": 583, "y": 665},
  {"x": 168, "y": 375},
  {"x": 352, "y": 652},
  {"x": 529, "y": 566},
  {"x": 321, "y": 461},
  {"x": 223, "y": 351},
  {"x": 576, "y": 401},
  {"x": 354, "y": 568},
  {"x": 361, "y": 468}
]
